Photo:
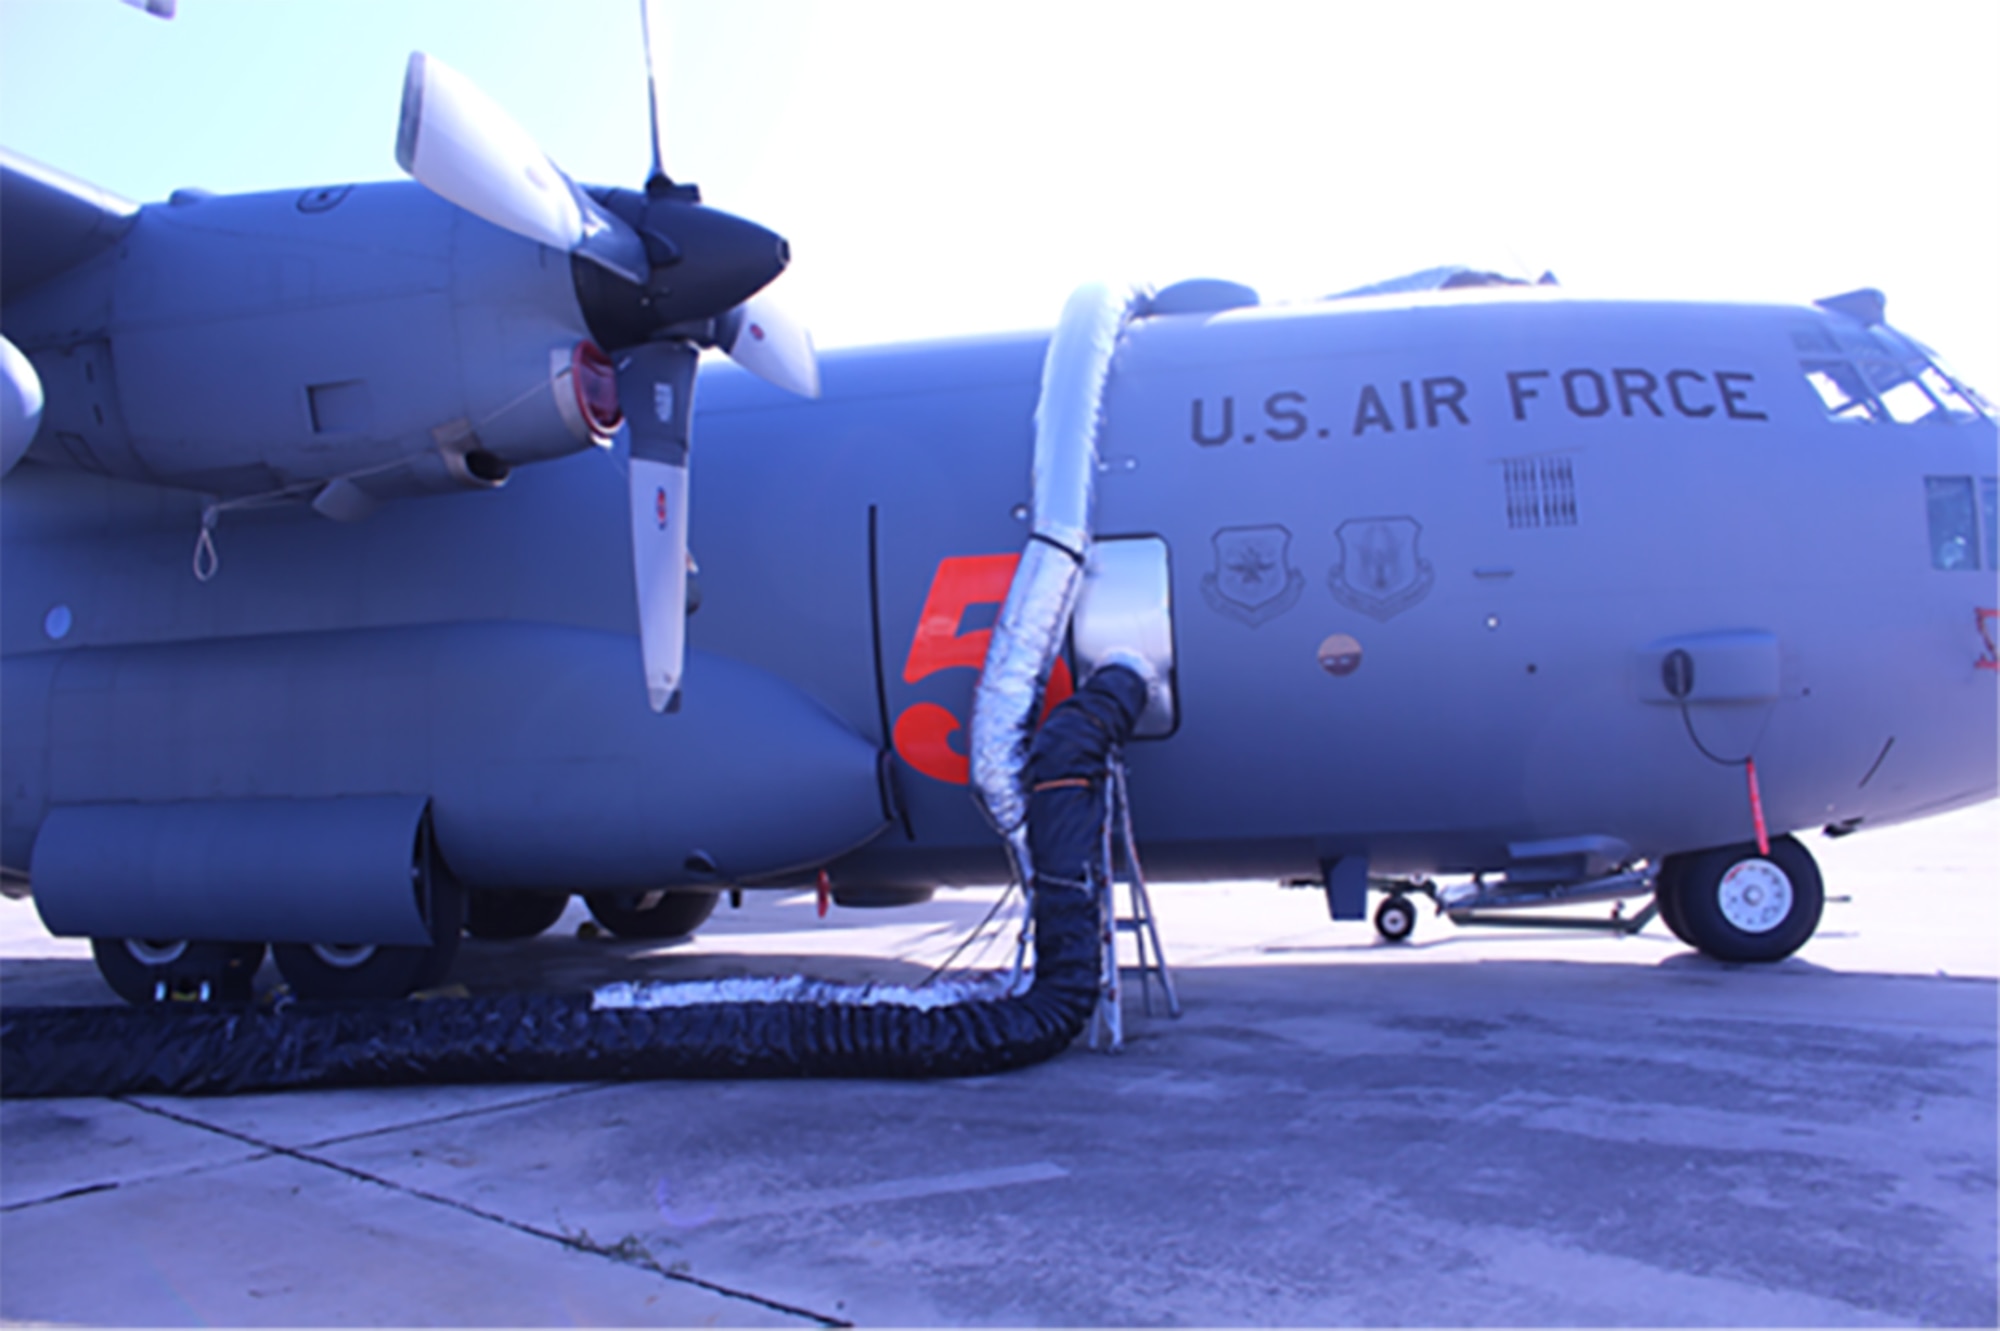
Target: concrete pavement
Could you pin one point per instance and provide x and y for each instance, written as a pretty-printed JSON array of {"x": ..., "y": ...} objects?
[{"x": 1480, "y": 1128}]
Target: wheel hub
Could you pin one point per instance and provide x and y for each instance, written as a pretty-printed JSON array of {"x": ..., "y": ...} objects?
[
  {"x": 1755, "y": 896},
  {"x": 156, "y": 952},
  {"x": 344, "y": 956}
]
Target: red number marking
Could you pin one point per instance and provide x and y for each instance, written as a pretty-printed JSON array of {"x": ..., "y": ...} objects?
[
  {"x": 923, "y": 738},
  {"x": 924, "y": 731},
  {"x": 960, "y": 584}
]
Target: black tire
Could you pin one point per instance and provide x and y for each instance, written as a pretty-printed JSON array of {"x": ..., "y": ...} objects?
[
  {"x": 334, "y": 972},
  {"x": 1737, "y": 905},
  {"x": 1396, "y": 918},
  {"x": 881, "y": 898},
  {"x": 650, "y": 915},
  {"x": 339, "y": 972},
  {"x": 508, "y": 916},
  {"x": 143, "y": 971},
  {"x": 1666, "y": 895}
]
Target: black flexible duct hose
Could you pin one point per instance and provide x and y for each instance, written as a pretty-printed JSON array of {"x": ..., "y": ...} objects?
[{"x": 204, "y": 1051}]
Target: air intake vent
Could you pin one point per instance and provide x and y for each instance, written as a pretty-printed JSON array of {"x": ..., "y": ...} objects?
[{"x": 1541, "y": 492}]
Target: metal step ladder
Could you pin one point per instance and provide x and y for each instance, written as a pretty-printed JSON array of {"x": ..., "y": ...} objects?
[{"x": 1107, "y": 1022}]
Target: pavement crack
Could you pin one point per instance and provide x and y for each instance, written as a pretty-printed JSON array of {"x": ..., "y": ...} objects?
[
  {"x": 343, "y": 1139},
  {"x": 84, "y": 1191},
  {"x": 578, "y": 1242}
]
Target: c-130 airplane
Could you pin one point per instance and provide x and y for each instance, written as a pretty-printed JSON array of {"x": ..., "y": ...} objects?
[{"x": 326, "y": 513}]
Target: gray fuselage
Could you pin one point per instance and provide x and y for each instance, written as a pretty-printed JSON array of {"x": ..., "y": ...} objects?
[{"x": 1429, "y": 556}]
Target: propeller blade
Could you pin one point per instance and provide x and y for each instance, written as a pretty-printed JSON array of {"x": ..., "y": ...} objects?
[
  {"x": 20, "y": 404},
  {"x": 655, "y": 389},
  {"x": 764, "y": 339},
  {"x": 457, "y": 142},
  {"x": 653, "y": 36}
]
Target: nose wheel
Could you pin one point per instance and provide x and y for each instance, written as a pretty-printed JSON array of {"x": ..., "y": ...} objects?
[{"x": 1396, "y": 918}]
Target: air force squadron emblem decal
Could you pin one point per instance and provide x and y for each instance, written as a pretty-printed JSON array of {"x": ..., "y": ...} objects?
[
  {"x": 1253, "y": 579},
  {"x": 1380, "y": 572}
]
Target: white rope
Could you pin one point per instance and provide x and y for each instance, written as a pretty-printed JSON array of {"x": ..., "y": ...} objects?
[{"x": 206, "y": 560}]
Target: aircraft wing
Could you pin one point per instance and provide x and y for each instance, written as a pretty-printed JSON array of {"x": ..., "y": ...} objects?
[{"x": 50, "y": 222}]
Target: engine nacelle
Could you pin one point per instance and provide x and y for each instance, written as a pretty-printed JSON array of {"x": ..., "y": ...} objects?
[
  {"x": 537, "y": 758},
  {"x": 345, "y": 345}
]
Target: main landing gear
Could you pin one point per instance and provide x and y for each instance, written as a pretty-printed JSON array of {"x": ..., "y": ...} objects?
[
  {"x": 505, "y": 917},
  {"x": 146, "y": 970},
  {"x": 655, "y": 914},
  {"x": 362, "y": 971},
  {"x": 359, "y": 972}
]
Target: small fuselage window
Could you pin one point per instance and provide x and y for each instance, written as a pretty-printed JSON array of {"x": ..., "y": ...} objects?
[
  {"x": 1954, "y": 523},
  {"x": 1989, "y": 505},
  {"x": 1957, "y": 521}
]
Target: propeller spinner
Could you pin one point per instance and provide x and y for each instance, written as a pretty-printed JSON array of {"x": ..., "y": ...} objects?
[{"x": 658, "y": 275}]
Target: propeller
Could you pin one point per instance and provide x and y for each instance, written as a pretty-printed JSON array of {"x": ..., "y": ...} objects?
[
  {"x": 761, "y": 337},
  {"x": 457, "y": 143},
  {"x": 657, "y": 263},
  {"x": 20, "y": 404},
  {"x": 658, "y": 275},
  {"x": 653, "y": 36},
  {"x": 656, "y": 391}
]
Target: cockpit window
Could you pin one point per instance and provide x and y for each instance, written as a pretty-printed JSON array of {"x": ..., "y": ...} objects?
[
  {"x": 1898, "y": 391},
  {"x": 1877, "y": 375},
  {"x": 1840, "y": 389}
]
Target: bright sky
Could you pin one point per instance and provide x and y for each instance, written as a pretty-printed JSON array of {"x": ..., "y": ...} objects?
[{"x": 945, "y": 168}]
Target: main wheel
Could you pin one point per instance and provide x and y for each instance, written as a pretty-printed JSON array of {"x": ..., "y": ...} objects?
[
  {"x": 348, "y": 972},
  {"x": 504, "y": 916},
  {"x": 1737, "y": 905},
  {"x": 651, "y": 914},
  {"x": 881, "y": 898},
  {"x": 1396, "y": 918},
  {"x": 143, "y": 971}
]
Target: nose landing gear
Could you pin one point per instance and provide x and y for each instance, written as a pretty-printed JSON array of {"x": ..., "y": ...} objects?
[
  {"x": 1729, "y": 902},
  {"x": 1396, "y": 918}
]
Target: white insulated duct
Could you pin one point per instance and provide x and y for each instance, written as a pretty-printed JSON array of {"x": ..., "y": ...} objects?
[{"x": 1029, "y": 631}]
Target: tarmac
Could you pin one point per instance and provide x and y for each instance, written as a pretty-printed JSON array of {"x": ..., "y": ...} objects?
[{"x": 1480, "y": 1127}]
